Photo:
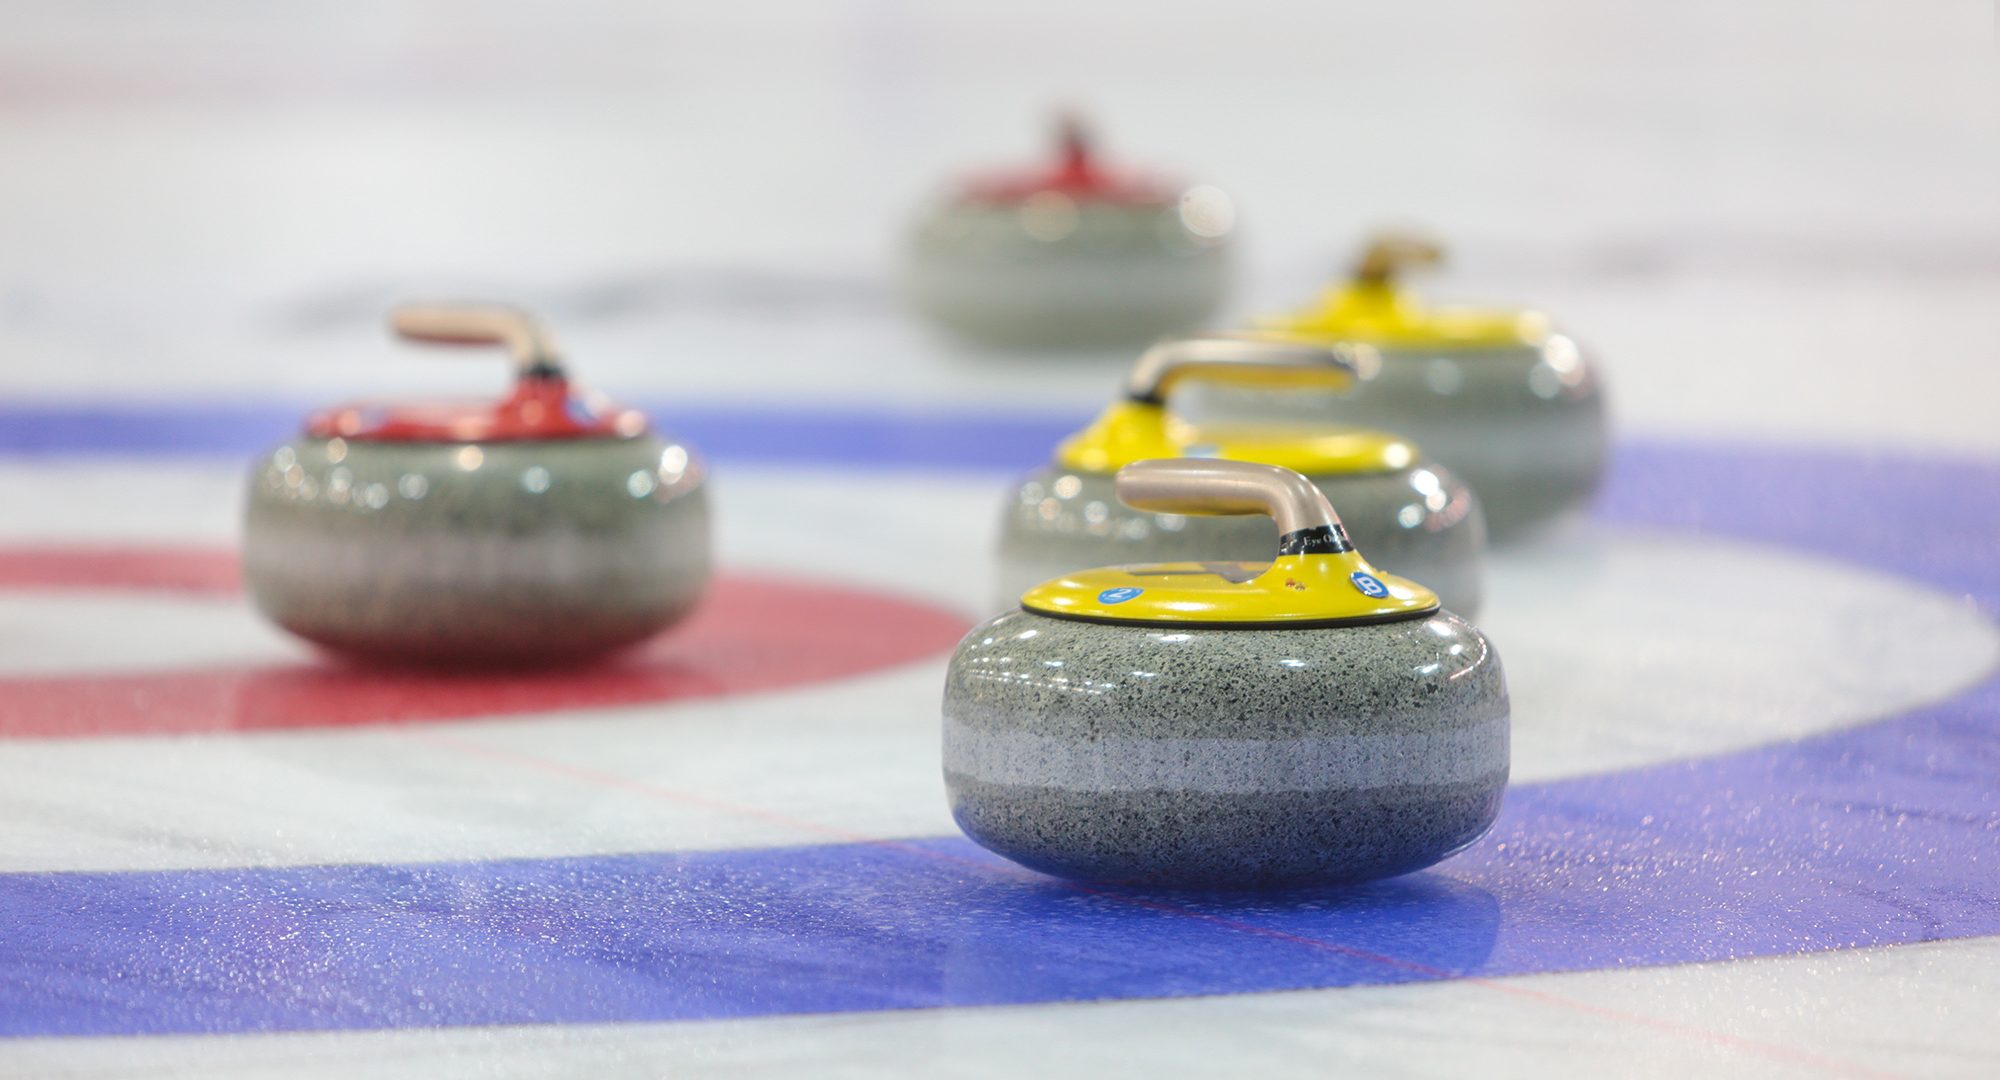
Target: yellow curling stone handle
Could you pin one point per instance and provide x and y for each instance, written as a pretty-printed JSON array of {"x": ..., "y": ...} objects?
[
  {"x": 1372, "y": 307},
  {"x": 1316, "y": 578},
  {"x": 1140, "y": 425}
]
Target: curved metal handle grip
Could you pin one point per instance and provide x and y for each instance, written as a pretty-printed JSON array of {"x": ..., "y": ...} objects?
[
  {"x": 1210, "y": 486},
  {"x": 1383, "y": 260},
  {"x": 1238, "y": 359},
  {"x": 533, "y": 350}
]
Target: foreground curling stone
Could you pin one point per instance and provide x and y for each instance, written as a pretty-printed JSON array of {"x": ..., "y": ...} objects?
[
  {"x": 1510, "y": 405},
  {"x": 1071, "y": 258},
  {"x": 1227, "y": 725},
  {"x": 1414, "y": 517},
  {"x": 538, "y": 528}
]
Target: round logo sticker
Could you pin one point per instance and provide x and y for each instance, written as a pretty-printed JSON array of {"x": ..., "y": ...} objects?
[
  {"x": 1118, "y": 595},
  {"x": 1368, "y": 584}
]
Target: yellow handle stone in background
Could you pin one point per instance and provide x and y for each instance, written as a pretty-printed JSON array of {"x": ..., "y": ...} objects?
[
  {"x": 1372, "y": 307},
  {"x": 1141, "y": 426}
]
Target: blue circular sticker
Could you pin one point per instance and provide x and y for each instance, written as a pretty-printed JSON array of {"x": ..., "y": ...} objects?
[
  {"x": 1368, "y": 584},
  {"x": 1118, "y": 595}
]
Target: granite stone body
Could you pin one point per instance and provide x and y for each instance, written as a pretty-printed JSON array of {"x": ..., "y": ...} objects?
[
  {"x": 1524, "y": 426},
  {"x": 1220, "y": 758},
  {"x": 1421, "y": 523},
  {"x": 1105, "y": 275},
  {"x": 501, "y": 552}
]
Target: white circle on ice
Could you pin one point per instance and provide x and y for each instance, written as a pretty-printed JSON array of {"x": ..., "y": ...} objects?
[{"x": 1626, "y": 648}]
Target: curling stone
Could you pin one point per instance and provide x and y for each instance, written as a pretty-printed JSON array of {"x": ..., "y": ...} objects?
[
  {"x": 540, "y": 528},
  {"x": 1227, "y": 725},
  {"x": 1418, "y": 519},
  {"x": 1073, "y": 257},
  {"x": 1508, "y": 403}
]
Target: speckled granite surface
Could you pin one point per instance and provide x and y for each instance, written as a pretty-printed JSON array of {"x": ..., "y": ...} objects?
[
  {"x": 1225, "y": 758},
  {"x": 538, "y": 552}
]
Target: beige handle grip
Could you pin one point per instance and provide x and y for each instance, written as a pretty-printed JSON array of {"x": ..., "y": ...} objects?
[
  {"x": 1210, "y": 486},
  {"x": 533, "y": 350},
  {"x": 1387, "y": 254},
  {"x": 1238, "y": 359}
]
